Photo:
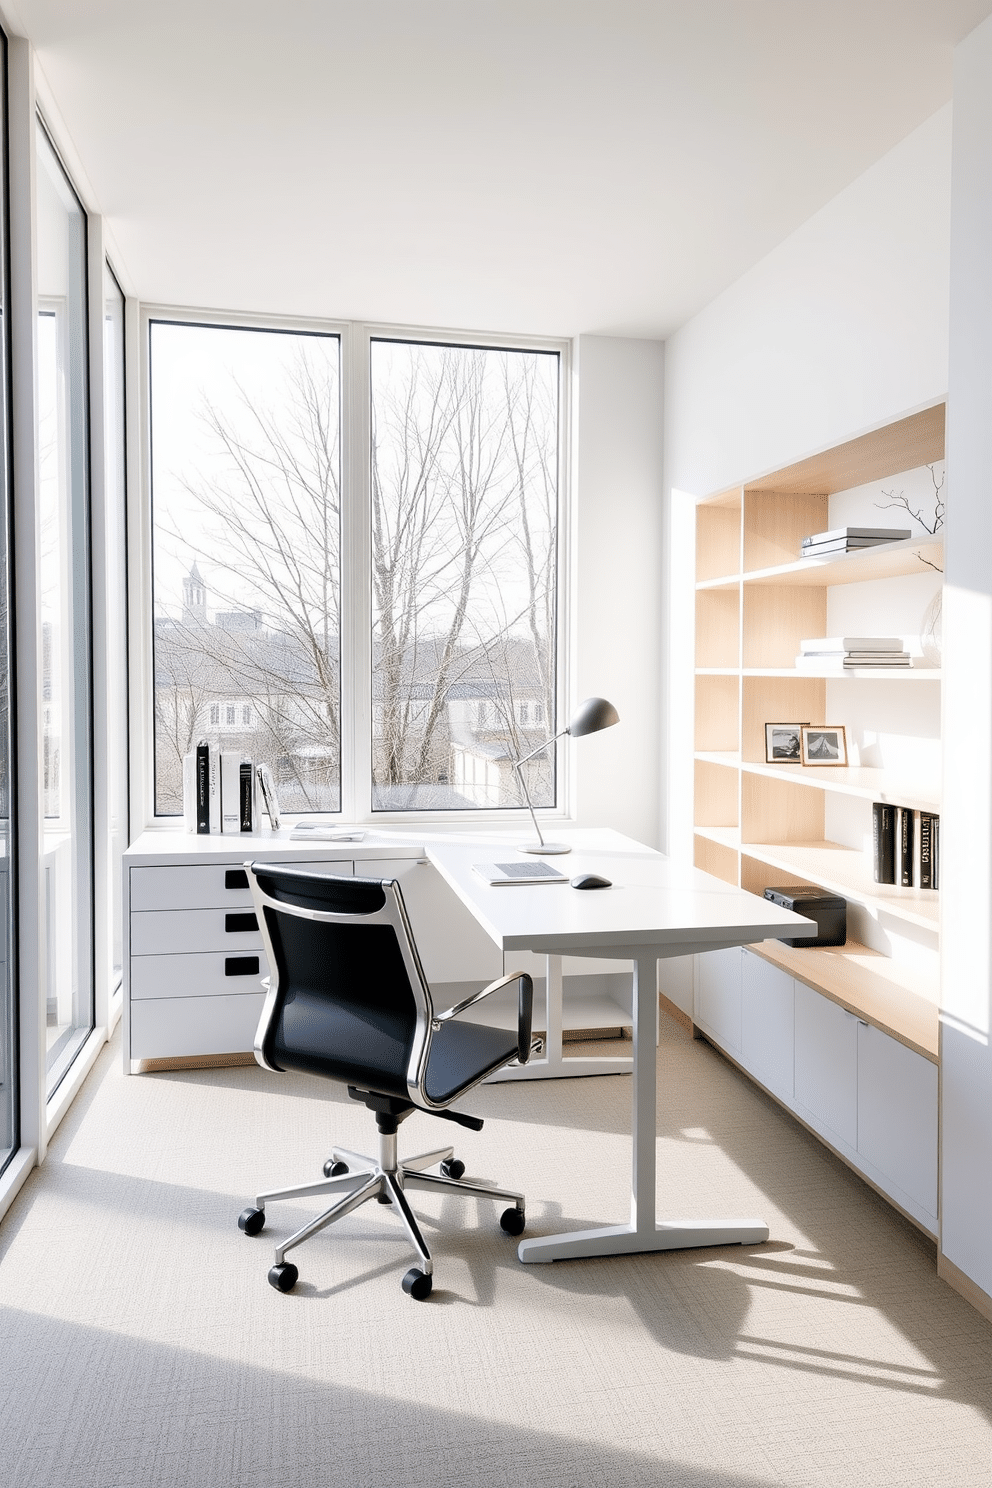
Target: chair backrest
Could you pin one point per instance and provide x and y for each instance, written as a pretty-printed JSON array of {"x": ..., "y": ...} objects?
[{"x": 347, "y": 997}]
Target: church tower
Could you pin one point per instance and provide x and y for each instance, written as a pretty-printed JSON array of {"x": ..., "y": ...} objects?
[{"x": 194, "y": 598}]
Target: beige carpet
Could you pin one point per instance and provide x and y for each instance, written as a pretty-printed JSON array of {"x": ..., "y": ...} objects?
[{"x": 143, "y": 1348}]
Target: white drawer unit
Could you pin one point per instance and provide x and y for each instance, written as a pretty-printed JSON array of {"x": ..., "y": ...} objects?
[
  {"x": 768, "y": 1025},
  {"x": 827, "y": 1064},
  {"x": 897, "y": 1117},
  {"x": 199, "y": 886},
  {"x": 183, "y": 1027}
]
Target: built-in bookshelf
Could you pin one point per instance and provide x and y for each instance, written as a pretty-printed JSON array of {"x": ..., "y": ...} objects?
[{"x": 758, "y": 824}]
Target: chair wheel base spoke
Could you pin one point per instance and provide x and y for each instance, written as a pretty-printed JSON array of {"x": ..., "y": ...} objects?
[
  {"x": 453, "y": 1167},
  {"x": 283, "y": 1277},
  {"x": 251, "y": 1221},
  {"x": 512, "y": 1221},
  {"x": 417, "y": 1284}
]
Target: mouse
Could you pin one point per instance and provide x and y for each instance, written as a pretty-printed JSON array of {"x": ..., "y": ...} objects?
[{"x": 591, "y": 881}]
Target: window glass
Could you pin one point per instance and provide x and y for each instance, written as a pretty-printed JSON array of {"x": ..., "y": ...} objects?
[
  {"x": 463, "y": 573},
  {"x": 67, "y": 848},
  {"x": 245, "y": 490},
  {"x": 116, "y": 599},
  {"x": 8, "y": 1019}
]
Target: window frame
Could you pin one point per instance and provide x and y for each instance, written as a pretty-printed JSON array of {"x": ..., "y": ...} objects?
[{"x": 356, "y": 581}]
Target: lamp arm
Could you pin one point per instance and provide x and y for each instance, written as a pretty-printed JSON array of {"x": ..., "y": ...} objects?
[
  {"x": 523, "y": 787},
  {"x": 553, "y": 740}
]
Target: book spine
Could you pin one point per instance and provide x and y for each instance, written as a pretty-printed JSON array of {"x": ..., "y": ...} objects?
[
  {"x": 926, "y": 850},
  {"x": 230, "y": 790},
  {"x": 935, "y": 849},
  {"x": 213, "y": 789},
  {"x": 189, "y": 792},
  {"x": 202, "y": 788},
  {"x": 246, "y": 781},
  {"x": 904, "y": 847},
  {"x": 883, "y": 842}
]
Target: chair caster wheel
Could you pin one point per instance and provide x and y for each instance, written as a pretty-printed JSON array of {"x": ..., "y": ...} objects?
[
  {"x": 252, "y": 1221},
  {"x": 283, "y": 1277},
  {"x": 416, "y": 1283},
  {"x": 453, "y": 1167},
  {"x": 512, "y": 1221},
  {"x": 334, "y": 1169}
]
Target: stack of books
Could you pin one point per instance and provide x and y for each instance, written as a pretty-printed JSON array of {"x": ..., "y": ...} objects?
[
  {"x": 847, "y": 652},
  {"x": 218, "y": 791},
  {"x": 905, "y": 846},
  {"x": 850, "y": 539}
]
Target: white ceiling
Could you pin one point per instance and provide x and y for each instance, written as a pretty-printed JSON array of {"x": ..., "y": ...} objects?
[{"x": 533, "y": 166}]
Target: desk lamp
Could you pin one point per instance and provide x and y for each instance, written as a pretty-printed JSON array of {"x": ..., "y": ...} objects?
[{"x": 589, "y": 717}]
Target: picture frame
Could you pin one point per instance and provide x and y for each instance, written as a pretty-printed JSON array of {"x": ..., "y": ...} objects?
[
  {"x": 783, "y": 743},
  {"x": 824, "y": 744}
]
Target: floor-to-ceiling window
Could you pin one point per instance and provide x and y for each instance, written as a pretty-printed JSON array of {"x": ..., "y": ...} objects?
[
  {"x": 8, "y": 1018},
  {"x": 115, "y": 450},
  {"x": 66, "y": 684}
]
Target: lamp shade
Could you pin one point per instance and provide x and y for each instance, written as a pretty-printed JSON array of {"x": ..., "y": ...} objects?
[{"x": 591, "y": 716}]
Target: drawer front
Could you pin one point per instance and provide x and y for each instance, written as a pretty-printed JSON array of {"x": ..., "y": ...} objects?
[
  {"x": 207, "y": 885},
  {"x": 170, "y": 932},
  {"x": 178, "y": 1027},
  {"x": 209, "y": 974}
]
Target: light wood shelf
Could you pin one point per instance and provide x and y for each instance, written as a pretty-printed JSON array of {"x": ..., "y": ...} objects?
[
  {"x": 758, "y": 824},
  {"x": 844, "y": 870},
  {"x": 868, "y": 984},
  {"x": 861, "y": 782}
]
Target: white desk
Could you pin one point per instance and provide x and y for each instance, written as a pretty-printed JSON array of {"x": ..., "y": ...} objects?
[{"x": 654, "y": 909}]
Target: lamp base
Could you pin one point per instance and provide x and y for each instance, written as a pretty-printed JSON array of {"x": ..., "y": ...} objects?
[{"x": 543, "y": 847}]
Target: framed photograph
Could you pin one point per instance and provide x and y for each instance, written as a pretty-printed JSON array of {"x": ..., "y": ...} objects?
[
  {"x": 783, "y": 743},
  {"x": 824, "y": 744}
]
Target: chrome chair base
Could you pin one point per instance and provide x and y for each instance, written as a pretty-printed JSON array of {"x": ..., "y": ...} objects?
[{"x": 386, "y": 1180}]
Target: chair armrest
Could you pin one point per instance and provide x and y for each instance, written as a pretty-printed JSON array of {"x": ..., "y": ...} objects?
[{"x": 525, "y": 1008}]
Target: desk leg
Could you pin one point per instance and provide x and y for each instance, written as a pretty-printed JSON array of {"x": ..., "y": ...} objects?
[
  {"x": 553, "y": 1065},
  {"x": 644, "y": 1233}
]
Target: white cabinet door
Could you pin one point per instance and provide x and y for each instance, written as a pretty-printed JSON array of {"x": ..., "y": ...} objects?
[
  {"x": 826, "y": 1089},
  {"x": 718, "y": 995},
  {"x": 897, "y": 1115},
  {"x": 453, "y": 945},
  {"x": 177, "y": 1027},
  {"x": 768, "y": 1024}
]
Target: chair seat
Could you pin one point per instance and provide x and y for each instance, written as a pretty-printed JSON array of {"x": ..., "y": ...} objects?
[{"x": 361, "y": 1047}]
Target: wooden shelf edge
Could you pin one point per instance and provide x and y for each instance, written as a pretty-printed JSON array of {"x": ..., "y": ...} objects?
[
  {"x": 908, "y": 1017},
  {"x": 853, "y": 674}
]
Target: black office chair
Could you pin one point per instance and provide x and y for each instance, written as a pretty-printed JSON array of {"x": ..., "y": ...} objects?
[{"x": 347, "y": 999}]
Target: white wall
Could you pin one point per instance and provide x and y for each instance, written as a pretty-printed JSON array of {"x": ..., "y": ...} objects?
[
  {"x": 966, "y": 820},
  {"x": 841, "y": 328},
  {"x": 617, "y": 585}
]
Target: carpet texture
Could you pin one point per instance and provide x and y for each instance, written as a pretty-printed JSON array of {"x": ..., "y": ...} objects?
[{"x": 143, "y": 1348}]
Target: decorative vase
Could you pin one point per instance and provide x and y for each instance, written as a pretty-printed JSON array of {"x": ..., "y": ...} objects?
[{"x": 930, "y": 630}]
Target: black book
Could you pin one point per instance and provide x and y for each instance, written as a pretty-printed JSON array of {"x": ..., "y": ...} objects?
[
  {"x": 928, "y": 832},
  {"x": 935, "y": 849},
  {"x": 202, "y": 787},
  {"x": 883, "y": 842},
  {"x": 246, "y": 780},
  {"x": 904, "y": 846}
]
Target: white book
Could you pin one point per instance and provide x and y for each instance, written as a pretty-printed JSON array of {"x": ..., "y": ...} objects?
[
  {"x": 189, "y": 792},
  {"x": 230, "y": 790},
  {"x": 874, "y": 534},
  {"x": 852, "y": 643},
  {"x": 213, "y": 790}
]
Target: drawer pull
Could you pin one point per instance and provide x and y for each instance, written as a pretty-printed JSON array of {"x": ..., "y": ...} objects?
[
  {"x": 236, "y": 924},
  {"x": 241, "y": 966},
  {"x": 235, "y": 878}
]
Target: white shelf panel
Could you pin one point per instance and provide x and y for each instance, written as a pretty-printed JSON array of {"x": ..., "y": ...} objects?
[
  {"x": 728, "y": 757},
  {"x": 887, "y": 561},
  {"x": 844, "y": 870},
  {"x": 867, "y": 784},
  {"x": 852, "y": 674}
]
